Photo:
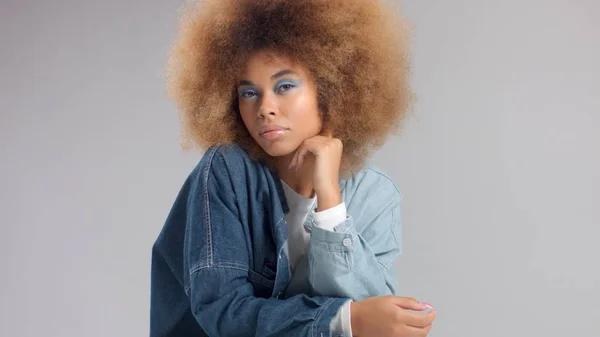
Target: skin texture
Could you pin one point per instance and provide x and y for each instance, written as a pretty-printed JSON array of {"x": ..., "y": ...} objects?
[
  {"x": 356, "y": 51},
  {"x": 391, "y": 316},
  {"x": 287, "y": 100},
  {"x": 276, "y": 93}
]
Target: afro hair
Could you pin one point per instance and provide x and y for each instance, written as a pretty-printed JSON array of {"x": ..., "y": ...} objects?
[{"x": 355, "y": 50}]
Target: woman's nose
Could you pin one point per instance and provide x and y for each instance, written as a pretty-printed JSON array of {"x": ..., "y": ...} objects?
[{"x": 268, "y": 106}]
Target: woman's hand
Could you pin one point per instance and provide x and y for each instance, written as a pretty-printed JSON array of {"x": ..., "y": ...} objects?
[
  {"x": 327, "y": 152},
  {"x": 390, "y": 316}
]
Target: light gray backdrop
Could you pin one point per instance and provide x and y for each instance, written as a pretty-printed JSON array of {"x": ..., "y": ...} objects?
[{"x": 499, "y": 166}]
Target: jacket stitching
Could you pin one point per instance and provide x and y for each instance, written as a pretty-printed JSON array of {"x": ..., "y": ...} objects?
[
  {"x": 373, "y": 169},
  {"x": 387, "y": 266},
  {"x": 223, "y": 265},
  {"x": 396, "y": 239},
  {"x": 209, "y": 248},
  {"x": 316, "y": 316}
]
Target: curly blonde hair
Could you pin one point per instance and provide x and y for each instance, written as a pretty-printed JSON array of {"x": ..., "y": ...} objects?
[{"x": 355, "y": 50}]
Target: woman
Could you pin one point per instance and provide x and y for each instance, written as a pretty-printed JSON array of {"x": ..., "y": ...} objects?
[{"x": 282, "y": 229}]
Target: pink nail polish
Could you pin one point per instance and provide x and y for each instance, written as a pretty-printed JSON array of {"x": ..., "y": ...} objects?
[{"x": 427, "y": 305}]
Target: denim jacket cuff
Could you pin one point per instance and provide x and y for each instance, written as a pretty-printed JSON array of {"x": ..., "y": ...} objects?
[
  {"x": 323, "y": 319},
  {"x": 343, "y": 238}
]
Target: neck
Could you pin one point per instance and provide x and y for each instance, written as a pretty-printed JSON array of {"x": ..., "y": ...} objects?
[{"x": 300, "y": 179}]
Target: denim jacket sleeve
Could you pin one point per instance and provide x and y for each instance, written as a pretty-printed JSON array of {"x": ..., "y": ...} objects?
[
  {"x": 222, "y": 299},
  {"x": 356, "y": 259}
]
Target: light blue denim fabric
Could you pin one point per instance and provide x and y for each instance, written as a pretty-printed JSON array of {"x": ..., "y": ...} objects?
[{"x": 220, "y": 265}]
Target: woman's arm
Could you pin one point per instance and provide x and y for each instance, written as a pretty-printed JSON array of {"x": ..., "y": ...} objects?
[{"x": 357, "y": 260}]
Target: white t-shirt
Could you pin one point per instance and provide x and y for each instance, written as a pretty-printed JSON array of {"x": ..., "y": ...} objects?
[{"x": 298, "y": 239}]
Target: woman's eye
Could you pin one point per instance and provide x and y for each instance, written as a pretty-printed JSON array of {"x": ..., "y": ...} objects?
[
  {"x": 285, "y": 87},
  {"x": 248, "y": 94}
]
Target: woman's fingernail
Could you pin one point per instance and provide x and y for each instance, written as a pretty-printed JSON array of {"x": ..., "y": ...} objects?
[{"x": 427, "y": 304}]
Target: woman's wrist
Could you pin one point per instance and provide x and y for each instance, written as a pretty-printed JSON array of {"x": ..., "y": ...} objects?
[
  {"x": 355, "y": 318},
  {"x": 328, "y": 198}
]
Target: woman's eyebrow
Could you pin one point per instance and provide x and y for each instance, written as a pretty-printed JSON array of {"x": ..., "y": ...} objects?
[
  {"x": 273, "y": 77},
  {"x": 283, "y": 73},
  {"x": 245, "y": 82}
]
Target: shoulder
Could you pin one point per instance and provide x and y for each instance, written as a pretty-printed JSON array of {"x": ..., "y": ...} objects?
[
  {"x": 227, "y": 154},
  {"x": 373, "y": 201},
  {"x": 372, "y": 183},
  {"x": 224, "y": 158}
]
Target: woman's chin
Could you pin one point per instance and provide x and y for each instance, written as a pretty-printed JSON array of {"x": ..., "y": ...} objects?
[{"x": 278, "y": 149}]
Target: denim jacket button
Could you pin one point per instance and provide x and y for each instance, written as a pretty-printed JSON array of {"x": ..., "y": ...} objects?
[{"x": 347, "y": 242}]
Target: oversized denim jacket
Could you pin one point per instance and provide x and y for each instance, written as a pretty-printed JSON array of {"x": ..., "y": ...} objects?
[{"x": 220, "y": 266}]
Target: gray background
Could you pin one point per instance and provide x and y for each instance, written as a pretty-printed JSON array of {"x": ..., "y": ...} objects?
[{"x": 499, "y": 165}]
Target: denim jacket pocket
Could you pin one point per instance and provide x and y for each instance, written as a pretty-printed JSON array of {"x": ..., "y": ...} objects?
[
  {"x": 269, "y": 270},
  {"x": 263, "y": 286}
]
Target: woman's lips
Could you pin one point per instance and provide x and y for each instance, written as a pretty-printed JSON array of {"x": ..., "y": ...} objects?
[{"x": 273, "y": 134}]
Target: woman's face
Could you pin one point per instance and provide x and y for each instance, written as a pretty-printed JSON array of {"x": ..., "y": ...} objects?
[{"x": 278, "y": 103}]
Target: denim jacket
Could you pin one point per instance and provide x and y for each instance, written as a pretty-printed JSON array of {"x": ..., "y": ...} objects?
[{"x": 220, "y": 266}]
